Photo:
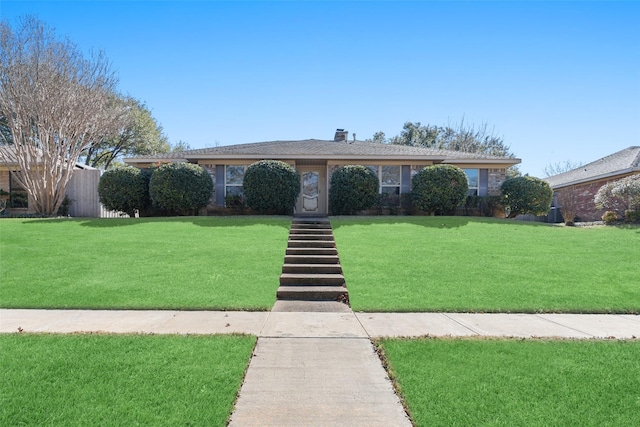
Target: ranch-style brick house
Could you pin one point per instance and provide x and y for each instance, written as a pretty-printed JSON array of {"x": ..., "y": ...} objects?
[
  {"x": 586, "y": 180},
  {"x": 316, "y": 160}
]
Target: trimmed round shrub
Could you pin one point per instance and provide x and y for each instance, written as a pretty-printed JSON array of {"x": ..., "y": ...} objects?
[
  {"x": 610, "y": 217},
  {"x": 439, "y": 189},
  {"x": 180, "y": 188},
  {"x": 271, "y": 187},
  {"x": 526, "y": 194},
  {"x": 354, "y": 188},
  {"x": 125, "y": 189}
]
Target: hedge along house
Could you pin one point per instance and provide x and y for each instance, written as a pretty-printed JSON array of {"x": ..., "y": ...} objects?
[
  {"x": 585, "y": 181},
  {"x": 316, "y": 160}
]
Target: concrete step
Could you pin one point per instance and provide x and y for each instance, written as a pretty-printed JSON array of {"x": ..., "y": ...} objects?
[
  {"x": 313, "y": 293},
  {"x": 297, "y": 306},
  {"x": 312, "y": 268},
  {"x": 312, "y": 259},
  {"x": 311, "y": 243},
  {"x": 295, "y": 279},
  {"x": 310, "y": 220},
  {"x": 311, "y": 251},
  {"x": 311, "y": 236},
  {"x": 310, "y": 231},
  {"x": 311, "y": 225}
]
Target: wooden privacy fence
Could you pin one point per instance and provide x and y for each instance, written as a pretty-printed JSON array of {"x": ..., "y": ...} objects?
[{"x": 83, "y": 192}]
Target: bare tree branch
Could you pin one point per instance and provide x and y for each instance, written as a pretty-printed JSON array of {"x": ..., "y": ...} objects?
[
  {"x": 56, "y": 103},
  {"x": 560, "y": 167}
]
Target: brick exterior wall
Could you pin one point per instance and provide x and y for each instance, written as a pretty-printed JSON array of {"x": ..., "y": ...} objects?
[
  {"x": 584, "y": 194},
  {"x": 211, "y": 170},
  {"x": 496, "y": 178}
]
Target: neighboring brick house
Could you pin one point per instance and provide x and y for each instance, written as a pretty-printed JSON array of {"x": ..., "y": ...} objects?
[
  {"x": 316, "y": 160},
  {"x": 585, "y": 181}
]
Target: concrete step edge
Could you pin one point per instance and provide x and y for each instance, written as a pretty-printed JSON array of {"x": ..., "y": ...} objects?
[
  {"x": 310, "y": 281},
  {"x": 311, "y": 237},
  {"x": 311, "y": 251},
  {"x": 312, "y": 265},
  {"x": 312, "y": 259},
  {"x": 312, "y": 269},
  {"x": 311, "y": 243},
  {"x": 307, "y": 293},
  {"x": 317, "y": 276}
]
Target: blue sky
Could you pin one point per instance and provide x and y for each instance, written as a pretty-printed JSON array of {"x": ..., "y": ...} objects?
[{"x": 557, "y": 80}]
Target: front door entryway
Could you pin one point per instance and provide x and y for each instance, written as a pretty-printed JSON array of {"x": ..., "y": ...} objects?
[{"x": 312, "y": 191}]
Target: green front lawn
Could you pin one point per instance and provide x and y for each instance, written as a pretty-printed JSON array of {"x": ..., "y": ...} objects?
[
  {"x": 155, "y": 263},
  {"x": 447, "y": 382},
  {"x": 493, "y": 265},
  {"x": 126, "y": 380},
  {"x": 390, "y": 264}
]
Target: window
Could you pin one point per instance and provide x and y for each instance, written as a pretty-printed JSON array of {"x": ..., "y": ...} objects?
[
  {"x": 373, "y": 169},
  {"x": 472, "y": 180},
  {"x": 234, "y": 176},
  {"x": 389, "y": 178}
]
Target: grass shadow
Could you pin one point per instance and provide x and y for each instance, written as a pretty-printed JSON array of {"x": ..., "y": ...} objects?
[
  {"x": 203, "y": 221},
  {"x": 425, "y": 221},
  {"x": 629, "y": 227},
  {"x": 444, "y": 222},
  {"x": 429, "y": 221}
]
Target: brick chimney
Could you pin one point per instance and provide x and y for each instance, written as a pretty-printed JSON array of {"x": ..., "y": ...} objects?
[{"x": 341, "y": 135}]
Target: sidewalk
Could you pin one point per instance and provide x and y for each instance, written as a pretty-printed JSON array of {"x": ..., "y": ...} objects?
[
  {"x": 323, "y": 324},
  {"x": 319, "y": 368}
]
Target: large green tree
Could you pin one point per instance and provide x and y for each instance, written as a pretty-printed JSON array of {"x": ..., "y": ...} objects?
[
  {"x": 138, "y": 134},
  {"x": 417, "y": 135},
  {"x": 456, "y": 137}
]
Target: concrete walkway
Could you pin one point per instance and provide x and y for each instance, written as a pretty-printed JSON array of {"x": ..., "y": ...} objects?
[
  {"x": 317, "y": 382},
  {"x": 294, "y": 324},
  {"x": 317, "y": 367}
]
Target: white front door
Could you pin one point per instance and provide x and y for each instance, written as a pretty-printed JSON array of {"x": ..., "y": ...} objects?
[
  {"x": 310, "y": 191},
  {"x": 311, "y": 199}
]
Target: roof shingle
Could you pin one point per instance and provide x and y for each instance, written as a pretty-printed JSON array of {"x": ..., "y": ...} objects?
[
  {"x": 315, "y": 148},
  {"x": 622, "y": 162}
]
